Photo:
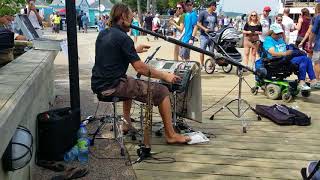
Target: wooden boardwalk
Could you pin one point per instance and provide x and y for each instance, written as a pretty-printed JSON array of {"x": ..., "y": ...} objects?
[{"x": 266, "y": 151}]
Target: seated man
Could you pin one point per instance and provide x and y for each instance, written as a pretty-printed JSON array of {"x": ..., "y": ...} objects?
[
  {"x": 114, "y": 52},
  {"x": 6, "y": 54},
  {"x": 276, "y": 47}
]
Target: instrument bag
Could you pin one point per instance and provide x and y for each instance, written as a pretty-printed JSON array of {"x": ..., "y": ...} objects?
[
  {"x": 283, "y": 115},
  {"x": 312, "y": 171}
]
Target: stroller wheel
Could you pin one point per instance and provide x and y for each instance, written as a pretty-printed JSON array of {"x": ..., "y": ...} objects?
[
  {"x": 286, "y": 97},
  {"x": 273, "y": 91},
  {"x": 305, "y": 93},
  {"x": 227, "y": 68},
  {"x": 254, "y": 90},
  {"x": 210, "y": 66}
]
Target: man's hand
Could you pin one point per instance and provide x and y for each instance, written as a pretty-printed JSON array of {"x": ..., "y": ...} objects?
[
  {"x": 142, "y": 48},
  {"x": 206, "y": 30},
  {"x": 171, "y": 78},
  {"x": 288, "y": 53},
  {"x": 32, "y": 7}
]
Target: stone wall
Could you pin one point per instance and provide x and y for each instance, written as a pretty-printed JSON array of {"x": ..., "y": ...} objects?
[{"x": 26, "y": 89}]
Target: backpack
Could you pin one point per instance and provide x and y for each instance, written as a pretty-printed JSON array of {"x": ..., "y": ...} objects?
[
  {"x": 312, "y": 171},
  {"x": 283, "y": 115}
]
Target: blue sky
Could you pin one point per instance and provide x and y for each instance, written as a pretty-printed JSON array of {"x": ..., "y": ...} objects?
[{"x": 246, "y": 6}]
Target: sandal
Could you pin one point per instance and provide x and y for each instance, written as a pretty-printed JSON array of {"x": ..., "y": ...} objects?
[
  {"x": 51, "y": 165},
  {"x": 72, "y": 173}
]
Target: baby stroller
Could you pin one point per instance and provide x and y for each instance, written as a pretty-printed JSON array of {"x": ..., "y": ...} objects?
[
  {"x": 275, "y": 84},
  {"x": 224, "y": 42}
]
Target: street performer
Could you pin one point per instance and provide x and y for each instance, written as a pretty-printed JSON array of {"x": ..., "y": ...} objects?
[{"x": 114, "y": 51}]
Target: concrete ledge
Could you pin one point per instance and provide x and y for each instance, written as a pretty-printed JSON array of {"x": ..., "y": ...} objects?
[{"x": 26, "y": 89}]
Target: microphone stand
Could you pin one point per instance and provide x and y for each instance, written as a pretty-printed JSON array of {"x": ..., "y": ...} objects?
[{"x": 260, "y": 72}]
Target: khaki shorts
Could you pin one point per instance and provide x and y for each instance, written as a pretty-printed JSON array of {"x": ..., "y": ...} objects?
[
  {"x": 6, "y": 56},
  {"x": 316, "y": 57},
  {"x": 137, "y": 90}
]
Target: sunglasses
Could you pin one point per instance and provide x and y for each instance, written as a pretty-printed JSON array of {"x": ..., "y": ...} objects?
[
  {"x": 179, "y": 7},
  {"x": 253, "y": 15}
]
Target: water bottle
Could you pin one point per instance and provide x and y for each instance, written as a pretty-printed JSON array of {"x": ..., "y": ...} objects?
[
  {"x": 72, "y": 154},
  {"x": 83, "y": 142},
  {"x": 82, "y": 132},
  {"x": 83, "y": 156}
]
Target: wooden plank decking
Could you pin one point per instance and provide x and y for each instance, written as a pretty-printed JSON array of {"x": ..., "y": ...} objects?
[{"x": 266, "y": 151}]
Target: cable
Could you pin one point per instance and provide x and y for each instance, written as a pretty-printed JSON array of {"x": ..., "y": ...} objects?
[{"x": 220, "y": 99}]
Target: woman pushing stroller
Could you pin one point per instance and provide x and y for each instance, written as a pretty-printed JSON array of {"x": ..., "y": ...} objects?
[{"x": 276, "y": 47}]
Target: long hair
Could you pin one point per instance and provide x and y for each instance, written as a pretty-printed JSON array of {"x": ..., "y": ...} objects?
[
  {"x": 116, "y": 12},
  {"x": 250, "y": 19},
  {"x": 182, "y": 5},
  {"x": 317, "y": 9},
  {"x": 305, "y": 12}
]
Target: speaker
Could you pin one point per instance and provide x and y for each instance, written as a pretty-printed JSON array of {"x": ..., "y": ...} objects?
[{"x": 56, "y": 133}]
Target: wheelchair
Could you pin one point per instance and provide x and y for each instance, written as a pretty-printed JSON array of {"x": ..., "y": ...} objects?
[{"x": 275, "y": 85}]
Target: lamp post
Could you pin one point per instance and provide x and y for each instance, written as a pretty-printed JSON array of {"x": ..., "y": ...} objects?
[{"x": 73, "y": 59}]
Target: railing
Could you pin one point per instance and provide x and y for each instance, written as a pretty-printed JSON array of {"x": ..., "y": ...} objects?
[{"x": 299, "y": 3}]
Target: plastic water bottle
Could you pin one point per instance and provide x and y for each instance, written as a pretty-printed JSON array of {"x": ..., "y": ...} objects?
[
  {"x": 82, "y": 132},
  {"x": 72, "y": 154},
  {"x": 83, "y": 142},
  {"x": 83, "y": 156}
]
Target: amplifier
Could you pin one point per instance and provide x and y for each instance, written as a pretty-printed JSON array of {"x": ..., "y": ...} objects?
[{"x": 188, "y": 89}]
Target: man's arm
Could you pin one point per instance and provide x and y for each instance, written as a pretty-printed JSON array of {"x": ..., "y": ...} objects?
[
  {"x": 279, "y": 54},
  {"x": 315, "y": 29},
  {"x": 144, "y": 69}
]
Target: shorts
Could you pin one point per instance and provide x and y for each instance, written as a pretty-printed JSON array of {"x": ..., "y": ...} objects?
[
  {"x": 184, "y": 53},
  {"x": 205, "y": 42},
  {"x": 137, "y": 90},
  {"x": 316, "y": 57}
]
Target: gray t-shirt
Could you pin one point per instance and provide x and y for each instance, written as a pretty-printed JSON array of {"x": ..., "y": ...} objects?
[
  {"x": 265, "y": 23},
  {"x": 208, "y": 20}
]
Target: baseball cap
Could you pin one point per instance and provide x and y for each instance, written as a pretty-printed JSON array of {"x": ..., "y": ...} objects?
[
  {"x": 267, "y": 8},
  {"x": 276, "y": 28}
]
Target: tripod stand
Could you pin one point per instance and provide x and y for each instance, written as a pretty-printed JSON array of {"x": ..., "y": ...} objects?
[{"x": 241, "y": 103}]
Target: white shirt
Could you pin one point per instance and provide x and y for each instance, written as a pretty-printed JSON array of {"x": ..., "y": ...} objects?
[
  {"x": 226, "y": 21},
  {"x": 288, "y": 25},
  {"x": 265, "y": 23},
  {"x": 156, "y": 21},
  {"x": 34, "y": 20}
]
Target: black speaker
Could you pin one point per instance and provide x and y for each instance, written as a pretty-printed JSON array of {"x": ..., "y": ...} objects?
[{"x": 56, "y": 133}]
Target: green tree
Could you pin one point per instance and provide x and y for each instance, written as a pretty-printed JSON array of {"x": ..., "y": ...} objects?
[{"x": 10, "y": 7}]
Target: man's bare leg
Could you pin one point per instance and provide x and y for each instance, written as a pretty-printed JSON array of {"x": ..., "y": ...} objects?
[
  {"x": 202, "y": 59},
  {"x": 171, "y": 136},
  {"x": 126, "y": 115}
]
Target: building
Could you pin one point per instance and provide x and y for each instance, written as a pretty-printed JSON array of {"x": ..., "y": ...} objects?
[
  {"x": 296, "y": 6},
  {"x": 90, "y": 7}
]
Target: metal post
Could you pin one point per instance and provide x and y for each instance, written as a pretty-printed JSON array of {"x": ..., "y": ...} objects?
[
  {"x": 73, "y": 59},
  {"x": 99, "y": 9}
]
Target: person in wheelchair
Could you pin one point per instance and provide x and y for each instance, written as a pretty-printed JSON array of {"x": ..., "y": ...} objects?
[
  {"x": 114, "y": 52},
  {"x": 276, "y": 47}
]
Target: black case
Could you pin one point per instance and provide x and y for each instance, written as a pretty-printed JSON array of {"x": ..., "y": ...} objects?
[
  {"x": 293, "y": 118},
  {"x": 56, "y": 134},
  {"x": 6, "y": 39}
]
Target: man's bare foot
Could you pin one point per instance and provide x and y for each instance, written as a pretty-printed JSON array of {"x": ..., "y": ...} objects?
[
  {"x": 126, "y": 128},
  {"x": 178, "y": 139}
]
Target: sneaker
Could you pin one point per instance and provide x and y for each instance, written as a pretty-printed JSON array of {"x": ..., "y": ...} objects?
[
  {"x": 304, "y": 87},
  {"x": 315, "y": 85}
]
